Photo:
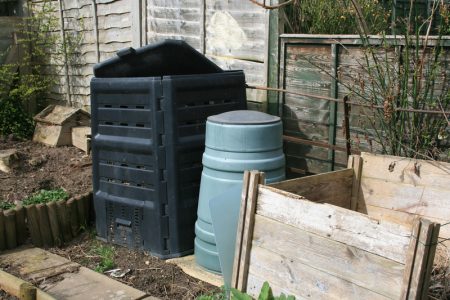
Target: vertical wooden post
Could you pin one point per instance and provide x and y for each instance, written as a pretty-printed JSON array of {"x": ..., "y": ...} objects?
[
  {"x": 95, "y": 22},
  {"x": 347, "y": 126},
  {"x": 203, "y": 26},
  {"x": 72, "y": 211},
  {"x": 54, "y": 223},
  {"x": 419, "y": 259},
  {"x": 21, "y": 226},
  {"x": 272, "y": 60},
  {"x": 144, "y": 22},
  {"x": 136, "y": 20},
  {"x": 244, "y": 237},
  {"x": 44, "y": 225},
  {"x": 332, "y": 122},
  {"x": 64, "y": 44},
  {"x": 355, "y": 162},
  {"x": 27, "y": 291},
  {"x": 10, "y": 228},
  {"x": 64, "y": 220},
  {"x": 2, "y": 231},
  {"x": 33, "y": 225}
]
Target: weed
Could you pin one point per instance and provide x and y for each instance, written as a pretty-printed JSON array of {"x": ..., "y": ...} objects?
[
  {"x": 106, "y": 256},
  {"x": 45, "y": 196},
  {"x": 265, "y": 294},
  {"x": 6, "y": 205}
]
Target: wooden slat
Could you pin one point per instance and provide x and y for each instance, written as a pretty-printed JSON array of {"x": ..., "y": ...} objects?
[
  {"x": 369, "y": 271},
  {"x": 386, "y": 239},
  {"x": 247, "y": 231},
  {"x": 425, "y": 201},
  {"x": 355, "y": 162},
  {"x": 420, "y": 262},
  {"x": 410, "y": 259},
  {"x": 402, "y": 170},
  {"x": 430, "y": 261},
  {"x": 240, "y": 227},
  {"x": 332, "y": 188},
  {"x": 303, "y": 281}
]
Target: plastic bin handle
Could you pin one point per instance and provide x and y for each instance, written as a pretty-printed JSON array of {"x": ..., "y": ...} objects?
[
  {"x": 123, "y": 222},
  {"x": 126, "y": 52}
]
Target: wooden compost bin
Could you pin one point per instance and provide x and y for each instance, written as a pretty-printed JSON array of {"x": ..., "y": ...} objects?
[
  {"x": 48, "y": 225},
  {"x": 305, "y": 238}
]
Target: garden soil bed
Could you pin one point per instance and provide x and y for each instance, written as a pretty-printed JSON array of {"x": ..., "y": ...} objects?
[
  {"x": 43, "y": 167},
  {"x": 146, "y": 273}
]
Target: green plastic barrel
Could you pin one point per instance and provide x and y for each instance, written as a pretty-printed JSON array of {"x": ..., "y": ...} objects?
[{"x": 235, "y": 141}]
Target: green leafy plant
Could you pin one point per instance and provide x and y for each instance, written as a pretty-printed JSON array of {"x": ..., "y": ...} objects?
[
  {"x": 265, "y": 294},
  {"x": 25, "y": 83},
  {"x": 45, "y": 196},
  {"x": 6, "y": 205},
  {"x": 106, "y": 256}
]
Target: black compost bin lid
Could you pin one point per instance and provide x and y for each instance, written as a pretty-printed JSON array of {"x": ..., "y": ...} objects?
[
  {"x": 244, "y": 117},
  {"x": 169, "y": 57}
]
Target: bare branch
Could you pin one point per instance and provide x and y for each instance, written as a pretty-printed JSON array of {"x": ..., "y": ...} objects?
[{"x": 263, "y": 5}]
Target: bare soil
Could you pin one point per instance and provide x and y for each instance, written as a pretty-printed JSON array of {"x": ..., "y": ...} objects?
[
  {"x": 44, "y": 167},
  {"x": 146, "y": 273}
]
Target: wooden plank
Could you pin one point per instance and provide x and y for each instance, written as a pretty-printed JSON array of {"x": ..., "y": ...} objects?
[
  {"x": 10, "y": 228},
  {"x": 430, "y": 261},
  {"x": 359, "y": 267},
  {"x": 404, "y": 170},
  {"x": 2, "y": 231},
  {"x": 355, "y": 162},
  {"x": 420, "y": 262},
  {"x": 420, "y": 200},
  {"x": 389, "y": 240},
  {"x": 240, "y": 228},
  {"x": 81, "y": 137},
  {"x": 410, "y": 259},
  {"x": 247, "y": 231},
  {"x": 332, "y": 187},
  {"x": 303, "y": 281}
]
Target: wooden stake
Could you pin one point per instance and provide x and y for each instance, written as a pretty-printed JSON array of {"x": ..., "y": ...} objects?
[
  {"x": 10, "y": 228},
  {"x": 64, "y": 220},
  {"x": 21, "y": 226},
  {"x": 2, "y": 231},
  {"x": 33, "y": 225},
  {"x": 54, "y": 223},
  {"x": 44, "y": 225},
  {"x": 72, "y": 211},
  {"x": 247, "y": 234},
  {"x": 241, "y": 222},
  {"x": 81, "y": 210},
  {"x": 27, "y": 291}
]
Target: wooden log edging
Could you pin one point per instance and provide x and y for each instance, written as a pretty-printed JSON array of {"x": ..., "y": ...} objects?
[
  {"x": 20, "y": 288},
  {"x": 48, "y": 225}
]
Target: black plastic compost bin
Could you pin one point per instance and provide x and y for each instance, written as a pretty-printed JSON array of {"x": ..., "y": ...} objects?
[{"x": 149, "y": 108}]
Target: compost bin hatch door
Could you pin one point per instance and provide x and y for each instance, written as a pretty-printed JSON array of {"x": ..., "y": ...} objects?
[{"x": 169, "y": 57}]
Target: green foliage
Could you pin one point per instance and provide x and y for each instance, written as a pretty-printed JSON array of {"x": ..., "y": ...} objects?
[
  {"x": 30, "y": 78},
  {"x": 336, "y": 16},
  {"x": 45, "y": 196},
  {"x": 265, "y": 294},
  {"x": 106, "y": 256},
  {"x": 6, "y": 205},
  {"x": 14, "y": 119}
]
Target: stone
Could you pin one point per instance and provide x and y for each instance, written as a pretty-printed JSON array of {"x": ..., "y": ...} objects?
[{"x": 8, "y": 160}]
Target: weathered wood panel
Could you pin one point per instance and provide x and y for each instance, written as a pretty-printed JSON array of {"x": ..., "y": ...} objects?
[
  {"x": 400, "y": 190},
  {"x": 332, "y": 66},
  {"x": 320, "y": 251}
]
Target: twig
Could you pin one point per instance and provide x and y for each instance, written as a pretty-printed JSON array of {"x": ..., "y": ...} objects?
[{"x": 263, "y": 5}]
